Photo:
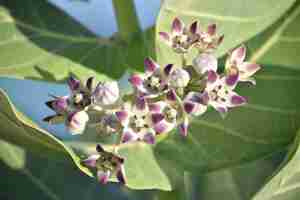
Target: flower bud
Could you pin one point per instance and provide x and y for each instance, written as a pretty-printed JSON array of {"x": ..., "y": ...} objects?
[
  {"x": 205, "y": 62},
  {"x": 76, "y": 122},
  {"x": 179, "y": 78},
  {"x": 106, "y": 93}
]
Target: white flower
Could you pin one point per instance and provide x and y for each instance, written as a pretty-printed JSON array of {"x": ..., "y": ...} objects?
[
  {"x": 106, "y": 93},
  {"x": 205, "y": 62},
  {"x": 76, "y": 122},
  {"x": 179, "y": 78}
]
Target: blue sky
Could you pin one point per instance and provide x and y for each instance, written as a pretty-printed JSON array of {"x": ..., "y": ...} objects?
[{"x": 98, "y": 15}]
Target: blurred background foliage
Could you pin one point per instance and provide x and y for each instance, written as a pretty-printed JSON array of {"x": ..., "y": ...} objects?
[{"x": 44, "y": 39}]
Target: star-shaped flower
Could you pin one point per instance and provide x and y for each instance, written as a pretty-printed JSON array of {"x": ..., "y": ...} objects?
[
  {"x": 107, "y": 164},
  {"x": 236, "y": 65}
]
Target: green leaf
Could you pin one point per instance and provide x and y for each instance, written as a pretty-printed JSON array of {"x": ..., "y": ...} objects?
[
  {"x": 284, "y": 185},
  {"x": 237, "y": 20},
  {"x": 279, "y": 44},
  {"x": 12, "y": 155},
  {"x": 49, "y": 179},
  {"x": 50, "y": 46}
]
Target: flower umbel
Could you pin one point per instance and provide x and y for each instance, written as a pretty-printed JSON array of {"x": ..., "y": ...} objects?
[{"x": 164, "y": 98}]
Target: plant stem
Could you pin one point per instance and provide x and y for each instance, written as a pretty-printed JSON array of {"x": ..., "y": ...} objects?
[{"x": 126, "y": 18}]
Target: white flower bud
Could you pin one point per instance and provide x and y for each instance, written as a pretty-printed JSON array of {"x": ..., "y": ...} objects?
[
  {"x": 106, "y": 93},
  {"x": 76, "y": 122},
  {"x": 205, "y": 62},
  {"x": 179, "y": 78}
]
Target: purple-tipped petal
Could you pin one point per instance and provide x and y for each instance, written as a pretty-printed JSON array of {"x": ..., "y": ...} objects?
[
  {"x": 204, "y": 98},
  {"x": 189, "y": 107},
  {"x": 140, "y": 103},
  {"x": 168, "y": 69},
  {"x": 103, "y": 177},
  {"x": 129, "y": 136},
  {"x": 136, "y": 80},
  {"x": 238, "y": 55},
  {"x": 91, "y": 161},
  {"x": 73, "y": 83},
  {"x": 122, "y": 116},
  {"x": 171, "y": 95},
  {"x": 121, "y": 174},
  {"x": 150, "y": 65},
  {"x": 149, "y": 138},
  {"x": 248, "y": 69},
  {"x": 211, "y": 29},
  {"x": 183, "y": 127},
  {"x": 212, "y": 76},
  {"x": 155, "y": 107},
  {"x": 165, "y": 36},
  {"x": 232, "y": 79},
  {"x": 157, "y": 117},
  {"x": 177, "y": 26},
  {"x": 237, "y": 100},
  {"x": 193, "y": 27},
  {"x": 161, "y": 128}
]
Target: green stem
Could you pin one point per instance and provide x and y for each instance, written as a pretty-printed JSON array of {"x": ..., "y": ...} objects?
[{"x": 126, "y": 18}]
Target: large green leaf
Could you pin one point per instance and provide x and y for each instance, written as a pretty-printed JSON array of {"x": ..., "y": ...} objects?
[
  {"x": 237, "y": 20},
  {"x": 279, "y": 44},
  {"x": 284, "y": 185},
  {"x": 38, "y": 41}
]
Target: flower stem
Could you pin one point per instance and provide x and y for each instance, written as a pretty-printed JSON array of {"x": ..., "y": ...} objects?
[
  {"x": 183, "y": 60},
  {"x": 126, "y": 18}
]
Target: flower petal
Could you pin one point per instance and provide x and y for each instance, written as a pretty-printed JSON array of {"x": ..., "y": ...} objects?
[
  {"x": 156, "y": 107},
  {"x": 238, "y": 55},
  {"x": 221, "y": 108},
  {"x": 89, "y": 83},
  {"x": 103, "y": 177},
  {"x": 150, "y": 65},
  {"x": 99, "y": 148},
  {"x": 193, "y": 27},
  {"x": 140, "y": 103},
  {"x": 237, "y": 100},
  {"x": 248, "y": 69},
  {"x": 205, "y": 62},
  {"x": 129, "y": 136},
  {"x": 212, "y": 77},
  {"x": 91, "y": 161},
  {"x": 163, "y": 127},
  {"x": 177, "y": 27},
  {"x": 168, "y": 69},
  {"x": 211, "y": 29},
  {"x": 183, "y": 127},
  {"x": 136, "y": 80},
  {"x": 149, "y": 138},
  {"x": 164, "y": 36},
  {"x": 171, "y": 95},
  {"x": 157, "y": 117},
  {"x": 122, "y": 116},
  {"x": 121, "y": 174},
  {"x": 73, "y": 83},
  {"x": 189, "y": 106},
  {"x": 231, "y": 80}
]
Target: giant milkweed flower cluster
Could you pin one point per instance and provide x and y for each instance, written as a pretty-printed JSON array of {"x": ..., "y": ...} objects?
[{"x": 164, "y": 97}]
